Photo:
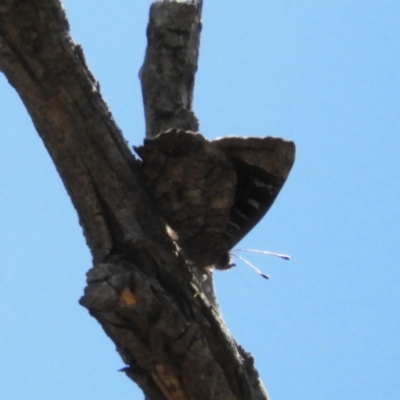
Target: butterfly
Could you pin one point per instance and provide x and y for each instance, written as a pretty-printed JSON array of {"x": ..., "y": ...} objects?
[{"x": 212, "y": 193}]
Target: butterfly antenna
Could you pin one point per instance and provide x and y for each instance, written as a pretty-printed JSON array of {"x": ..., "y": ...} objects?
[
  {"x": 251, "y": 266},
  {"x": 267, "y": 253}
]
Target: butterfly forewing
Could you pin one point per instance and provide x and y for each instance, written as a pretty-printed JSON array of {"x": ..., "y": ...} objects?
[{"x": 262, "y": 166}]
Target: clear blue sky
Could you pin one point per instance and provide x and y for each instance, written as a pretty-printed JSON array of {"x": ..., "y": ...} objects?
[{"x": 325, "y": 74}]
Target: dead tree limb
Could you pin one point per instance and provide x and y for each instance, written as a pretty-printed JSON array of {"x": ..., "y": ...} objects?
[
  {"x": 172, "y": 340},
  {"x": 168, "y": 72}
]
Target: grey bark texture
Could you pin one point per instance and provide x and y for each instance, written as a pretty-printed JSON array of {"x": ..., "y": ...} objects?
[
  {"x": 167, "y": 75},
  {"x": 173, "y": 341}
]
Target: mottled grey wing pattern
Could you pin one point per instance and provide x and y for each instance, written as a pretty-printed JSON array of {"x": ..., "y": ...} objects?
[
  {"x": 212, "y": 193},
  {"x": 193, "y": 185}
]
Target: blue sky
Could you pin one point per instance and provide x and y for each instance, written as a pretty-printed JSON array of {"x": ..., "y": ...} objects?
[{"x": 326, "y": 325}]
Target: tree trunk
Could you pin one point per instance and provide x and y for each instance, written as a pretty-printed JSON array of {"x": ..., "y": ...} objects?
[{"x": 150, "y": 304}]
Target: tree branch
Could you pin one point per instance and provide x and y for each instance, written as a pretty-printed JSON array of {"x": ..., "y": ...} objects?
[
  {"x": 167, "y": 75},
  {"x": 173, "y": 342}
]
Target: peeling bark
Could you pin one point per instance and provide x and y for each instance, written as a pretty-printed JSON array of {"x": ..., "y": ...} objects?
[{"x": 148, "y": 302}]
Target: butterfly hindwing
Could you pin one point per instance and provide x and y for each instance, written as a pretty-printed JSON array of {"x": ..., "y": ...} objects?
[{"x": 193, "y": 185}]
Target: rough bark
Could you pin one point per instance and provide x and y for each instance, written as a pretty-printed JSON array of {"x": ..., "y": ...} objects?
[
  {"x": 172, "y": 340},
  {"x": 167, "y": 75}
]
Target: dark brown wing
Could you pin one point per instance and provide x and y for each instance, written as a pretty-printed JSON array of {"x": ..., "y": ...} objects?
[
  {"x": 262, "y": 166},
  {"x": 211, "y": 194},
  {"x": 193, "y": 185}
]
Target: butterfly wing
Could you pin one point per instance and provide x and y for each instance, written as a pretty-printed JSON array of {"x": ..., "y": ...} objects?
[
  {"x": 193, "y": 185},
  {"x": 211, "y": 194},
  {"x": 262, "y": 166}
]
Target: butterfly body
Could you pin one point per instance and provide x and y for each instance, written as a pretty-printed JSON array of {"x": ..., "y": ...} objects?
[{"x": 212, "y": 193}]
